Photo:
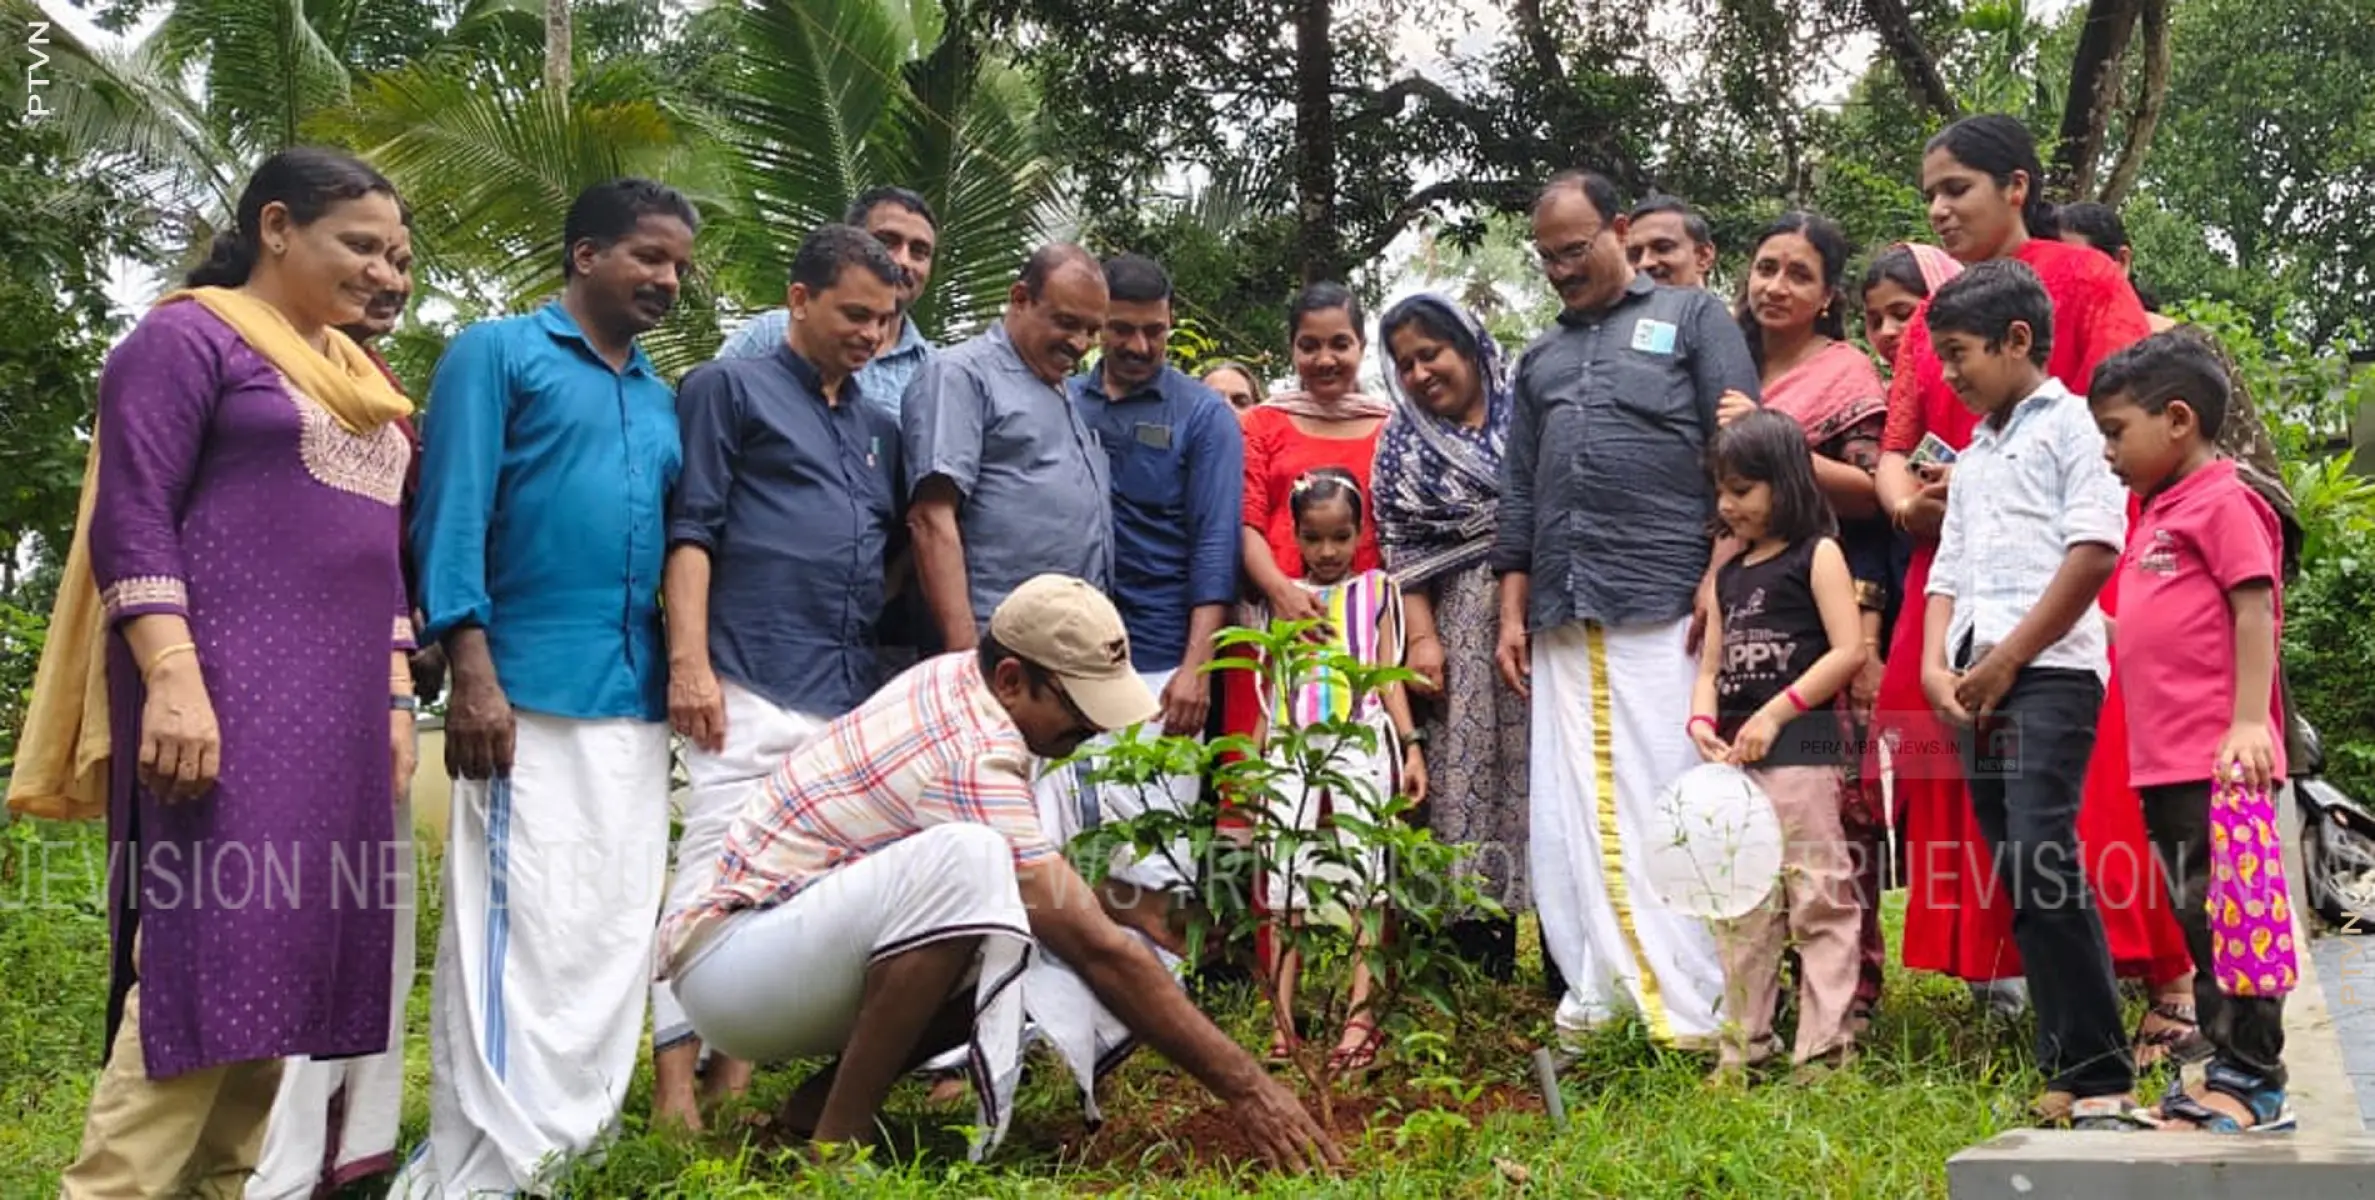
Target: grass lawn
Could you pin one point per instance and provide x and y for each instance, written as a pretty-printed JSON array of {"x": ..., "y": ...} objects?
[{"x": 1934, "y": 1078}]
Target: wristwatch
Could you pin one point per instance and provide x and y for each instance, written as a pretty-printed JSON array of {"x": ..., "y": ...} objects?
[
  {"x": 410, "y": 704},
  {"x": 1416, "y": 737}
]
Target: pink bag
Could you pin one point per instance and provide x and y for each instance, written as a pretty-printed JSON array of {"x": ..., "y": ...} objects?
[{"x": 2251, "y": 916}]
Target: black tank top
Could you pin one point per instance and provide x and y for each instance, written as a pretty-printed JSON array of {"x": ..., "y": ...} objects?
[{"x": 1772, "y": 633}]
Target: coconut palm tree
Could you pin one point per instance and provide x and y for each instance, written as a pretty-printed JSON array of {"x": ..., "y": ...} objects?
[{"x": 832, "y": 97}]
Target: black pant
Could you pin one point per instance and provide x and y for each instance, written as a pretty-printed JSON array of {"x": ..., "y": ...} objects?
[
  {"x": 2027, "y": 767},
  {"x": 2248, "y": 1031}
]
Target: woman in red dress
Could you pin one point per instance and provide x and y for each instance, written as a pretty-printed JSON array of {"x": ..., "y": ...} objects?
[{"x": 1981, "y": 178}]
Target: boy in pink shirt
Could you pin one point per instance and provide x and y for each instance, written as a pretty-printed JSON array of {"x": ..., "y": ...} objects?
[{"x": 2197, "y": 645}]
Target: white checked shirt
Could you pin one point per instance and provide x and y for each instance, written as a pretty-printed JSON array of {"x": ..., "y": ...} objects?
[{"x": 2023, "y": 496}]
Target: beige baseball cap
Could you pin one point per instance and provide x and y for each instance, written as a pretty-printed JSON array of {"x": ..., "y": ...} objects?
[{"x": 1069, "y": 628}]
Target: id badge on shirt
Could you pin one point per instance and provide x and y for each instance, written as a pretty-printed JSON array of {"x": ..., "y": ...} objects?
[
  {"x": 1153, "y": 436},
  {"x": 1653, "y": 337}
]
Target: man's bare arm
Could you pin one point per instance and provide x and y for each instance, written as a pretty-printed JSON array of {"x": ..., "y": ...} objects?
[{"x": 940, "y": 561}]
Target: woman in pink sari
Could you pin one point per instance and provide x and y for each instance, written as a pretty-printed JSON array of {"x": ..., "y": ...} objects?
[{"x": 1793, "y": 314}]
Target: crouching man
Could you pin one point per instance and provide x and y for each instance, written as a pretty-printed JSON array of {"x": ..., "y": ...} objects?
[{"x": 879, "y": 898}]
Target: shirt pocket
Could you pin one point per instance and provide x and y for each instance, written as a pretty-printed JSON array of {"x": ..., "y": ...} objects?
[{"x": 1150, "y": 479}]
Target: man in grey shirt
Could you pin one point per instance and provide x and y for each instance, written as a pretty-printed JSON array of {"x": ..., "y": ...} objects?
[
  {"x": 1005, "y": 481},
  {"x": 1603, "y": 537}
]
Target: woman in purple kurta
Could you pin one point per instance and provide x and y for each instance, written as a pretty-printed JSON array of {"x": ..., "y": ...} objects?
[
  {"x": 229, "y": 498},
  {"x": 243, "y": 543}
]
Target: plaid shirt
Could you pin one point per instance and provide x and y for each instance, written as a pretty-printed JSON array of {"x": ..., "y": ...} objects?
[{"x": 933, "y": 748}]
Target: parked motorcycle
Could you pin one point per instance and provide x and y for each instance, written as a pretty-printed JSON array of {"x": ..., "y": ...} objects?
[{"x": 2337, "y": 838}]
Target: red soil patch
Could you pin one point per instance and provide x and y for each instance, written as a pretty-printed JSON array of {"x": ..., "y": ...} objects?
[{"x": 1178, "y": 1140}]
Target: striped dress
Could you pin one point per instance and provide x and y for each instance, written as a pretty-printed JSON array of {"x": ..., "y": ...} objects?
[{"x": 1356, "y": 611}]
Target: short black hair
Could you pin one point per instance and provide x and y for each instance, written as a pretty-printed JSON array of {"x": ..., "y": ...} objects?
[
  {"x": 2174, "y": 364},
  {"x": 1597, "y": 188},
  {"x": 1047, "y": 260},
  {"x": 2099, "y": 224},
  {"x": 829, "y": 249},
  {"x": 991, "y": 652},
  {"x": 875, "y": 197},
  {"x": 1322, "y": 484},
  {"x": 1320, "y": 297},
  {"x": 1136, "y": 279},
  {"x": 1769, "y": 447},
  {"x": 1987, "y": 298},
  {"x": 610, "y": 210},
  {"x": 1692, "y": 222}
]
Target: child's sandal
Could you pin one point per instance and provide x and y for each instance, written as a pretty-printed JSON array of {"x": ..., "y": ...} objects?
[{"x": 2270, "y": 1111}]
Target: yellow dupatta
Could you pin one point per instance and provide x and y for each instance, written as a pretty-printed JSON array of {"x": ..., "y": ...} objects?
[{"x": 62, "y": 759}]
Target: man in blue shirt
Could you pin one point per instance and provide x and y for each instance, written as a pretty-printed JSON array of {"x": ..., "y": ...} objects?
[
  {"x": 777, "y": 535},
  {"x": 539, "y": 535},
  {"x": 1177, "y": 462},
  {"x": 900, "y": 220},
  {"x": 904, "y": 224},
  {"x": 1005, "y": 482}
]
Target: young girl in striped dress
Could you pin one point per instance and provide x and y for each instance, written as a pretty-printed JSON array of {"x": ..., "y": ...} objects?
[{"x": 1363, "y": 613}]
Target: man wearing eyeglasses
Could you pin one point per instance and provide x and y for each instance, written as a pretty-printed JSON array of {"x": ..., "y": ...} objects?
[{"x": 1603, "y": 538}]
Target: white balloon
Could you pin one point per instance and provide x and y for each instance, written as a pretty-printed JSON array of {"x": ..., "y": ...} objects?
[{"x": 1714, "y": 844}]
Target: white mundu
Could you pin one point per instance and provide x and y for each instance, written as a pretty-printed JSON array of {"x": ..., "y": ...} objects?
[
  {"x": 552, "y": 883},
  {"x": 1611, "y": 710}
]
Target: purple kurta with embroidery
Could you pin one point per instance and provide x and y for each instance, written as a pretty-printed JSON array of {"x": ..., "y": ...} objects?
[{"x": 228, "y": 497}]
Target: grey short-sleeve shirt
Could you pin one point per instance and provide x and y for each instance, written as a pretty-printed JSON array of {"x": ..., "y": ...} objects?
[{"x": 1034, "y": 496}]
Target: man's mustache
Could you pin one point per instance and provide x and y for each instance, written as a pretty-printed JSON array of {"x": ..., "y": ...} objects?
[{"x": 664, "y": 299}]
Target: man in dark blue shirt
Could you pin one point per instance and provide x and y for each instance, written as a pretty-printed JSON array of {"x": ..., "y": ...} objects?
[
  {"x": 1178, "y": 470},
  {"x": 777, "y": 536}
]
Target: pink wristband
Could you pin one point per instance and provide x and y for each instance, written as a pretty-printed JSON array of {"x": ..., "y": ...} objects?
[
  {"x": 1696, "y": 719},
  {"x": 1795, "y": 699}
]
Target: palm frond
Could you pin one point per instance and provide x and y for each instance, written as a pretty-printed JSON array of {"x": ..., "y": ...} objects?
[
  {"x": 814, "y": 79},
  {"x": 489, "y": 168}
]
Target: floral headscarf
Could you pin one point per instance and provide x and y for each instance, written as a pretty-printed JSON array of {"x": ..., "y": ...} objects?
[{"x": 1438, "y": 483}]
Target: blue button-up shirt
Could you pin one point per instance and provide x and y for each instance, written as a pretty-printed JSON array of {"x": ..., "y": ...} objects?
[
  {"x": 1177, "y": 461},
  {"x": 883, "y": 379},
  {"x": 1034, "y": 497},
  {"x": 542, "y": 514},
  {"x": 796, "y": 501}
]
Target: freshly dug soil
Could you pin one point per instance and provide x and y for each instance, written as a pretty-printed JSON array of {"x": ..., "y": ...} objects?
[{"x": 1182, "y": 1140}]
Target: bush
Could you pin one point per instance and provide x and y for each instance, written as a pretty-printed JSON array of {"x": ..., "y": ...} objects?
[{"x": 2329, "y": 657}]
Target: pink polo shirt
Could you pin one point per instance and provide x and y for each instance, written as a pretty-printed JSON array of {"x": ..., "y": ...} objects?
[{"x": 2195, "y": 542}]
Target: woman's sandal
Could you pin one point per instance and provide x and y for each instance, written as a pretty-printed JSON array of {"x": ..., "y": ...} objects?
[
  {"x": 2181, "y": 1109},
  {"x": 2179, "y": 1037},
  {"x": 1353, "y": 1060}
]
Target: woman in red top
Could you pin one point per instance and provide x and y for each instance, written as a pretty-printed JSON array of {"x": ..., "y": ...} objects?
[
  {"x": 1329, "y": 423},
  {"x": 1981, "y": 176}
]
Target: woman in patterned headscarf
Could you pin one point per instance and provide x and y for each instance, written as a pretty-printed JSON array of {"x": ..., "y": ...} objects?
[{"x": 1438, "y": 492}]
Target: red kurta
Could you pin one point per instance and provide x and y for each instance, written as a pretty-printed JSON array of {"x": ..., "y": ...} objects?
[{"x": 1956, "y": 918}]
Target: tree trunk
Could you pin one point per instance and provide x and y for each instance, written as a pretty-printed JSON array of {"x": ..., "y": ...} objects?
[
  {"x": 2146, "y": 115},
  {"x": 556, "y": 46},
  {"x": 1315, "y": 143},
  {"x": 2095, "y": 79},
  {"x": 1894, "y": 25}
]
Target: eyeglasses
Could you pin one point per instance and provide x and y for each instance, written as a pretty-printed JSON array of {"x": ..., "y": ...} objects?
[{"x": 1571, "y": 253}]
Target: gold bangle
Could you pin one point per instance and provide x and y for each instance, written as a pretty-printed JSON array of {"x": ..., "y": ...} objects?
[{"x": 158, "y": 659}]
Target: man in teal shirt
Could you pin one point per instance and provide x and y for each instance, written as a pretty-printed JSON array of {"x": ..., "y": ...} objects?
[{"x": 540, "y": 531}]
